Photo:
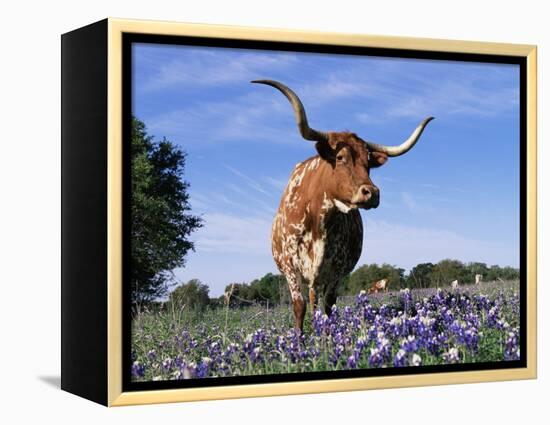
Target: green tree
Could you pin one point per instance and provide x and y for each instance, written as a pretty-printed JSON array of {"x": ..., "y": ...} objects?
[
  {"x": 193, "y": 295},
  {"x": 509, "y": 273},
  {"x": 505, "y": 273},
  {"x": 419, "y": 276},
  {"x": 344, "y": 287},
  {"x": 444, "y": 272},
  {"x": 161, "y": 221},
  {"x": 268, "y": 288}
]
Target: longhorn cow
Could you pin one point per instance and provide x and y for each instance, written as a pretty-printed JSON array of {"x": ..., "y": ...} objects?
[{"x": 317, "y": 233}]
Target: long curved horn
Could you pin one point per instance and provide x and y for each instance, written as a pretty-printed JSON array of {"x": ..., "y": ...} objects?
[
  {"x": 403, "y": 147},
  {"x": 306, "y": 131}
]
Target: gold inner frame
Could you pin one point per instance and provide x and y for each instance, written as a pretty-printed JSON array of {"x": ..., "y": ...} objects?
[{"x": 116, "y": 28}]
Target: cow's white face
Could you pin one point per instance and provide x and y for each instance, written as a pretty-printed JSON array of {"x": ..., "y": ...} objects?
[{"x": 349, "y": 184}]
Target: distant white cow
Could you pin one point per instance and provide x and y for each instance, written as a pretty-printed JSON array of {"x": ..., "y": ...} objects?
[
  {"x": 479, "y": 277},
  {"x": 454, "y": 284}
]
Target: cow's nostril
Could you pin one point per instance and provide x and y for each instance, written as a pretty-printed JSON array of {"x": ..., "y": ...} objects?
[{"x": 365, "y": 191}]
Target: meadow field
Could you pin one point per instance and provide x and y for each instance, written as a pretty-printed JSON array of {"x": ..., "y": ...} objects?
[{"x": 393, "y": 329}]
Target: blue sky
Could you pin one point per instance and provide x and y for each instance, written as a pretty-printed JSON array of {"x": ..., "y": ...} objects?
[{"x": 455, "y": 195}]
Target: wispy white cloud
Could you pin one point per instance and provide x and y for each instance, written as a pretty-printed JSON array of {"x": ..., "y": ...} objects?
[
  {"x": 387, "y": 179},
  {"x": 331, "y": 86},
  {"x": 247, "y": 201},
  {"x": 429, "y": 185},
  {"x": 390, "y": 91},
  {"x": 277, "y": 183},
  {"x": 421, "y": 203},
  {"x": 454, "y": 98},
  {"x": 250, "y": 117},
  {"x": 253, "y": 183},
  {"x": 214, "y": 68},
  {"x": 425, "y": 191},
  {"x": 199, "y": 201},
  {"x": 226, "y": 233},
  {"x": 368, "y": 118},
  {"x": 381, "y": 91},
  {"x": 234, "y": 199},
  {"x": 413, "y": 205}
]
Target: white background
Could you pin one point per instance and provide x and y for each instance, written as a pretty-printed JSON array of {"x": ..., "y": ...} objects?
[{"x": 30, "y": 210}]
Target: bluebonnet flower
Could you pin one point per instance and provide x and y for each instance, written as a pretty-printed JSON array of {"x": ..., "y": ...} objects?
[
  {"x": 400, "y": 358},
  {"x": 470, "y": 338},
  {"x": 409, "y": 344},
  {"x": 502, "y": 324},
  {"x": 179, "y": 361},
  {"x": 395, "y": 325},
  {"x": 320, "y": 322},
  {"x": 511, "y": 351},
  {"x": 280, "y": 343},
  {"x": 203, "y": 367},
  {"x": 452, "y": 355},
  {"x": 383, "y": 311},
  {"x": 362, "y": 299},
  {"x": 167, "y": 363},
  {"x": 376, "y": 358},
  {"x": 360, "y": 343},
  {"x": 406, "y": 298},
  {"x": 256, "y": 354},
  {"x": 351, "y": 362},
  {"x": 482, "y": 302},
  {"x": 436, "y": 343},
  {"x": 348, "y": 313},
  {"x": 138, "y": 370}
]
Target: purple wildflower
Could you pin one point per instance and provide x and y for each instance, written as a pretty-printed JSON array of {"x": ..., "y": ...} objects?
[{"x": 138, "y": 370}]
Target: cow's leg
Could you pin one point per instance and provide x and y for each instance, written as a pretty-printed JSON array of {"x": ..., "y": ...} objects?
[
  {"x": 312, "y": 300},
  {"x": 299, "y": 305},
  {"x": 298, "y": 302}
]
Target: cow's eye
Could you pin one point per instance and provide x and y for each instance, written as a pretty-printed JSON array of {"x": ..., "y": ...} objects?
[{"x": 340, "y": 157}]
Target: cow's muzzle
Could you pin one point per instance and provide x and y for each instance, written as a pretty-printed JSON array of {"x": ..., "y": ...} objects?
[{"x": 367, "y": 197}]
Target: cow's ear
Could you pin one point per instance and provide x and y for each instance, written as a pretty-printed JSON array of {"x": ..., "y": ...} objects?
[
  {"x": 325, "y": 151},
  {"x": 377, "y": 159}
]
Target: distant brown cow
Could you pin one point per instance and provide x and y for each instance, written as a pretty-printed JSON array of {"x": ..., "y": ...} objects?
[
  {"x": 317, "y": 234},
  {"x": 381, "y": 285}
]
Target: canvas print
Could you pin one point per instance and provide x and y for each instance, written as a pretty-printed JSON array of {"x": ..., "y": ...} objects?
[{"x": 298, "y": 212}]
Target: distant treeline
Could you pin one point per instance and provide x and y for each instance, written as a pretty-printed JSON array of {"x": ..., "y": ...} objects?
[
  {"x": 425, "y": 275},
  {"x": 272, "y": 288}
]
